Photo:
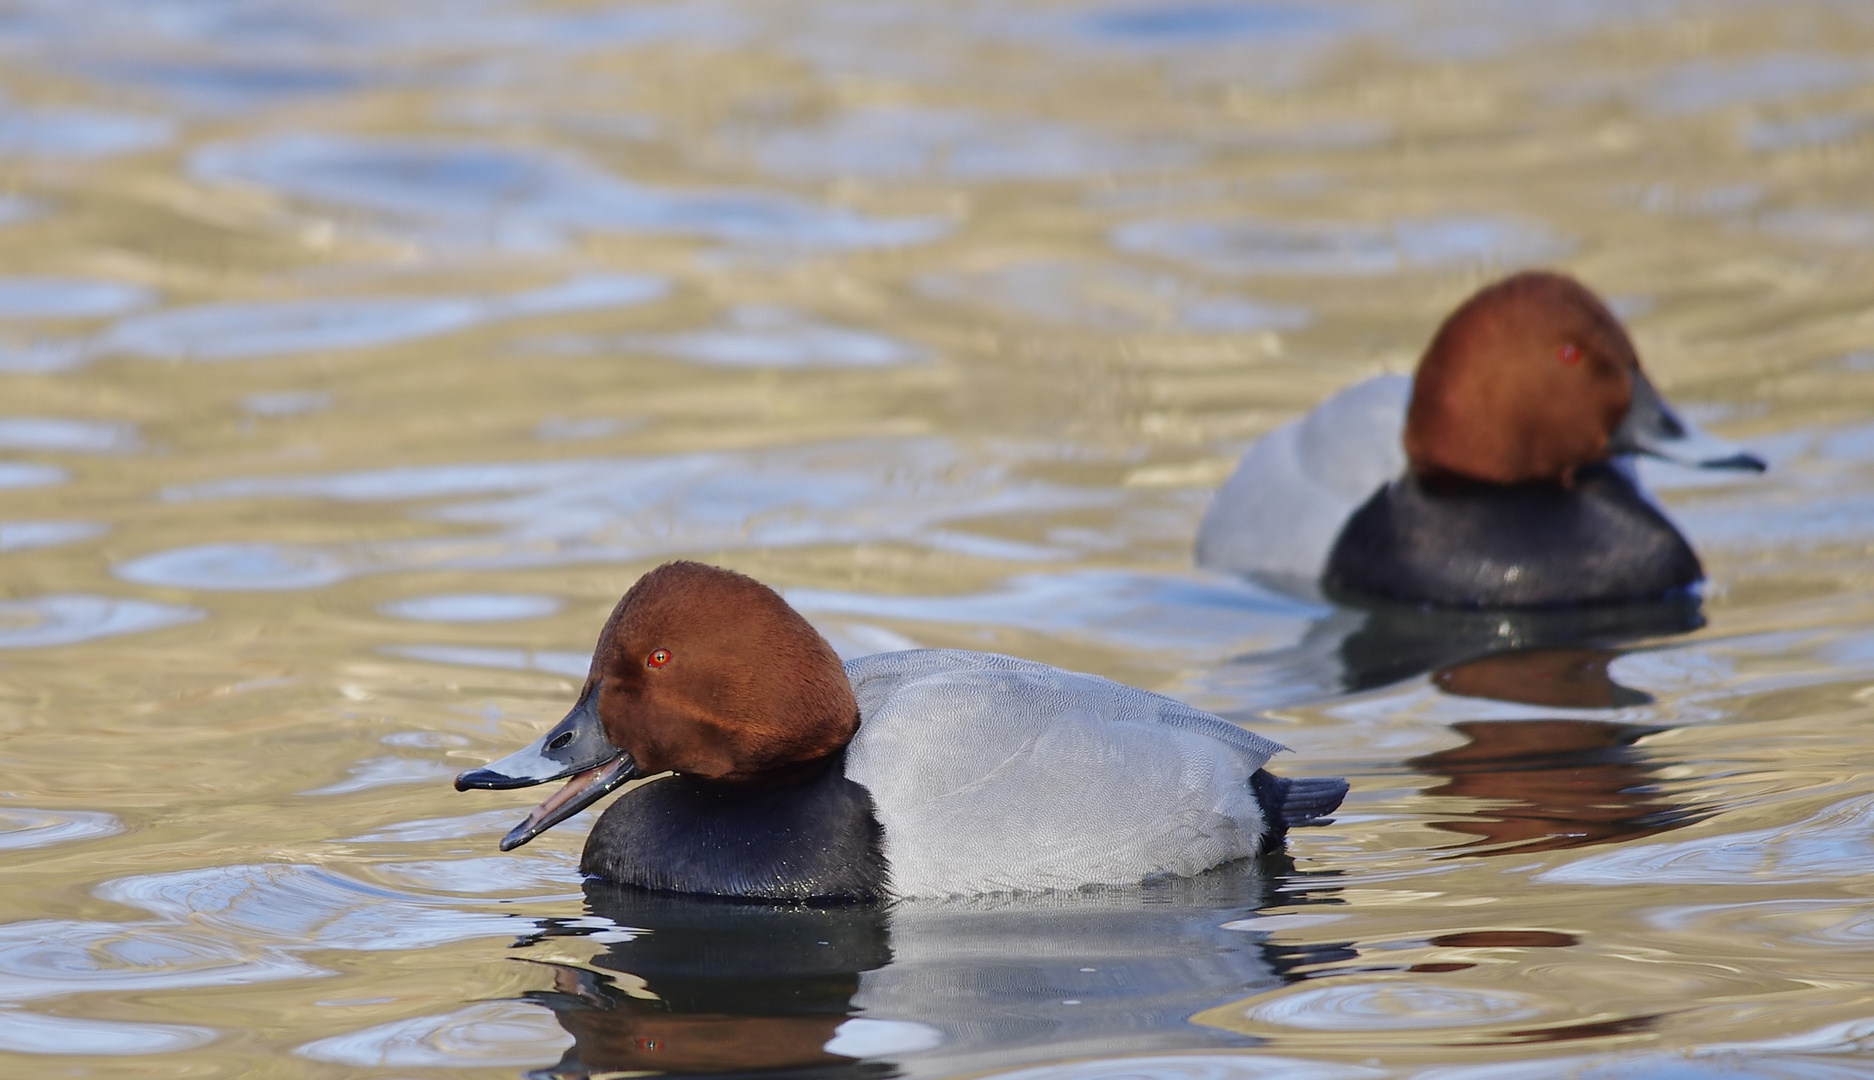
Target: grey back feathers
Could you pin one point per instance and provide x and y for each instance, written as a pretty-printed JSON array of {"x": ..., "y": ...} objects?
[
  {"x": 1278, "y": 514},
  {"x": 991, "y": 774}
]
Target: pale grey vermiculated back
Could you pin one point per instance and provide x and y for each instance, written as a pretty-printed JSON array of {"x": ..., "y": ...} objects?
[{"x": 991, "y": 773}]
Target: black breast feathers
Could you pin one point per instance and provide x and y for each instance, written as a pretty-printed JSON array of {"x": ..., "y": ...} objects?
[
  {"x": 1460, "y": 543},
  {"x": 811, "y": 839}
]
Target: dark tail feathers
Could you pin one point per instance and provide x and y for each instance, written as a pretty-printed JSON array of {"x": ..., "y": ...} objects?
[{"x": 1287, "y": 803}]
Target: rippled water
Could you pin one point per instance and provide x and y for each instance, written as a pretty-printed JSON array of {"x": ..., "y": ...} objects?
[{"x": 356, "y": 356}]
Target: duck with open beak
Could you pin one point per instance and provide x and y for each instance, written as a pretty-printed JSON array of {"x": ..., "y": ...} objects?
[
  {"x": 772, "y": 771},
  {"x": 575, "y": 748}
]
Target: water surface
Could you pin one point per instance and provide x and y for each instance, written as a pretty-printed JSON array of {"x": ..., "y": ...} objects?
[{"x": 357, "y": 356}]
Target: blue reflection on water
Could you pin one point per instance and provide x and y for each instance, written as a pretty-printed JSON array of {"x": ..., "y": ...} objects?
[
  {"x": 554, "y": 661},
  {"x": 78, "y": 133},
  {"x": 67, "y": 298},
  {"x": 902, "y": 141},
  {"x": 471, "y": 607},
  {"x": 473, "y": 193},
  {"x": 1206, "y": 22},
  {"x": 237, "y": 330},
  {"x": 23, "y": 827},
  {"x": 1705, "y": 84},
  {"x": 287, "y": 402},
  {"x": 22, "y": 474},
  {"x": 952, "y": 984},
  {"x": 19, "y": 535},
  {"x": 1087, "y": 295},
  {"x": 69, "y": 436},
  {"x": 558, "y": 513},
  {"x": 1239, "y": 246},
  {"x": 1816, "y": 850},
  {"x": 764, "y": 336},
  {"x": 70, "y": 618}
]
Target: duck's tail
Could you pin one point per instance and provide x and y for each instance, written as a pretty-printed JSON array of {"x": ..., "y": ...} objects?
[{"x": 1287, "y": 803}]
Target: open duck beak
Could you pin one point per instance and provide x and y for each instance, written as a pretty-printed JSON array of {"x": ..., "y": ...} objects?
[
  {"x": 1651, "y": 427},
  {"x": 576, "y": 748}
]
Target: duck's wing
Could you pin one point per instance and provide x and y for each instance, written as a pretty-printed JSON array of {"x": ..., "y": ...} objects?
[
  {"x": 993, "y": 774},
  {"x": 877, "y": 677},
  {"x": 1278, "y": 514}
]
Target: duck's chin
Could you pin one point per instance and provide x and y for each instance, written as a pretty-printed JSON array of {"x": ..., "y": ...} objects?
[{"x": 581, "y": 790}]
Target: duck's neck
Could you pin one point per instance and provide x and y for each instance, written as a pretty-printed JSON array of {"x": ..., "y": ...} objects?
[{"x": 808, "y": 835}]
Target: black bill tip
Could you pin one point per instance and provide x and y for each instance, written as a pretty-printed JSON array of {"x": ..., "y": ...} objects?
[
  {"x": 490, "y": 780},
  {"x": 1746, "y": 462}
]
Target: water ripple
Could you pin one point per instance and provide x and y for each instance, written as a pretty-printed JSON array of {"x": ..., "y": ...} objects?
[
  {"x": 555, "y": 661},
  {"x": 25, "y": 827},
  {"x": 763, "y": 336},
  {"x": 488, "y": 874},
  {"x": 1755, "y": 1061},
  {"x": 384, "y": 772},
  {"x": 1081, "y": 973},
  {"x": 1705, "y": 84},
  {"x": 564, "y": 429},
  {"x": 280, "y": 31},
  {"x": 287, "y": 402},
  {"x": 1392, "y": 1006},
  {"x": 472, "y": 607},
  {"x": 1312, "y": 249},
  {"x": 20, "y": 474},
  {"x": 79, "y": 133},
  {"x": 1207, "y": 23},
  {"x": 1821, "y": 225},
  {"x": 224, "y": 84},
  {"x": 68, "y": 618},
  {"x": 245, "y": 330},
  {"x": 69, "y": 436},
  {"x": 51, "y": 957},
  {"x": 1195, "y": 1067},
  {"x": 899, "y": 141},
  {"x": 67, "y": 298},
  {"x": 1834, "y": 845},
  {"x": 622, "y": 509},
  {"x": 467, "y": 192},
  {"x": 487, "y": 1035},
  {"x": 304, "y": 906},
  {"x": 1828, "y": 924},
  {"x": 32, "y": 1033},
  {"x": 427, "y": 830},
  {"x": 237, "y": 567},
  {"x": 1109, "y": 297},
  {"x": 1766, "y": 135}
]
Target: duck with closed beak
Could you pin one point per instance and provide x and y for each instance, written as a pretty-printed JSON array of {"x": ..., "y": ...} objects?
[
  {"x": 932, "y": 772},
  {"x": 1499, "y": 476}
]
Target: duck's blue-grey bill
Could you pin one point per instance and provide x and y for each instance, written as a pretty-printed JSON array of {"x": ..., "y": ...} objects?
[
  {"x": 575, "y": 748},
  {"x": 580, "y": 792},
  {"x": 1652, "y": 427},
  {"x": 575, "y": 744}
]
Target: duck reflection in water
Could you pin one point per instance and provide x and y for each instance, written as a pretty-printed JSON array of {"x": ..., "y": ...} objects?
[
  {"x": 702, "y": 985},
  {"x": 1550, "y": 783},
  {"x": 714, "y": 986},
  {"x": 1372, "y": 644}
]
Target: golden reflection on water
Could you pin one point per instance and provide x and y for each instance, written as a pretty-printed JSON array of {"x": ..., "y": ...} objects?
[{"x": 356, "y": 357}]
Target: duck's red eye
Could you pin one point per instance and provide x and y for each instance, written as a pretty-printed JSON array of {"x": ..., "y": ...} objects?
[
  {"x": 658, "y": 658},
  {"x": 1568, "y": 354}
]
